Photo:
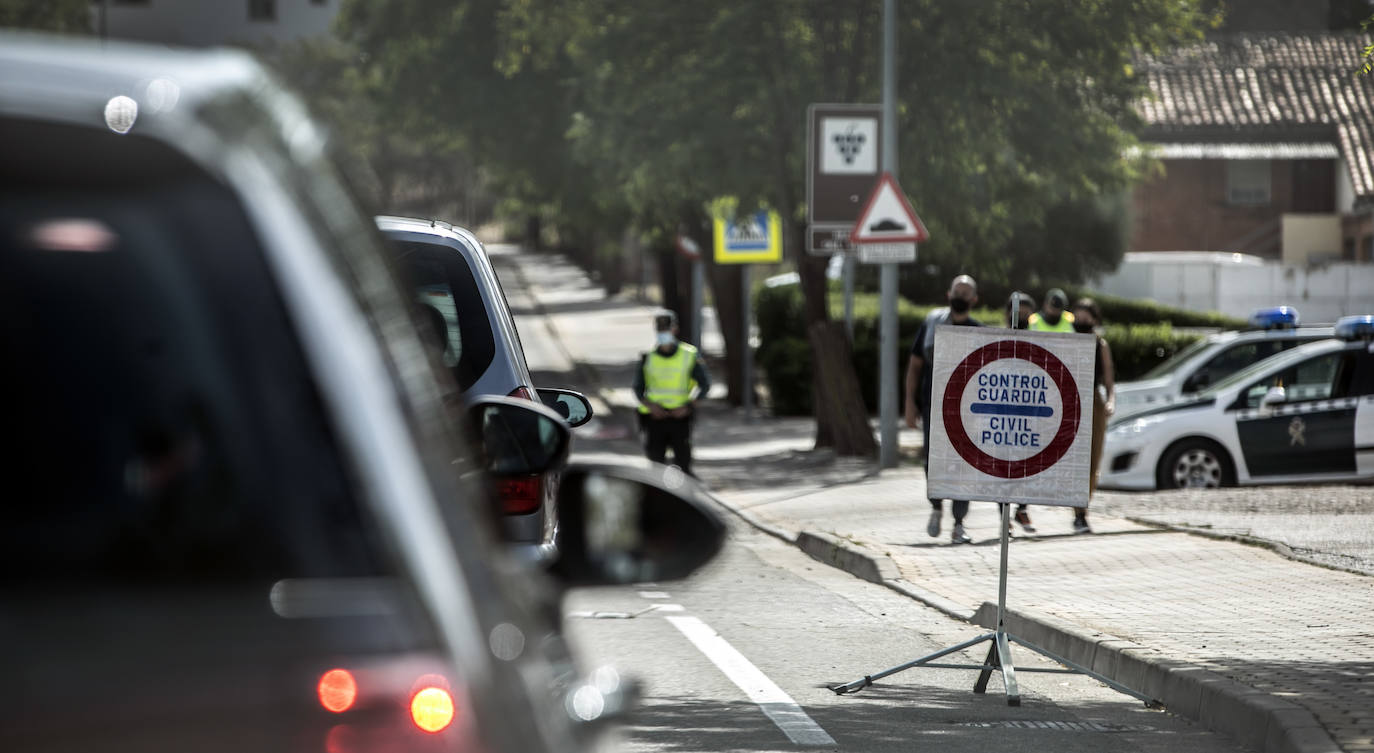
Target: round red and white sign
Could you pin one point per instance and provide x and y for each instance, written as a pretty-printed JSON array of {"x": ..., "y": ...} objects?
[{"x": 1011, "y": 409}]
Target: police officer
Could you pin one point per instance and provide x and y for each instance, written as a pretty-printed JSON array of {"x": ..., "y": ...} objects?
[
  {"x": 920, "y": 372},
  {"x": 1052, "y": 317},
  {"x": 669, "y": 379}
]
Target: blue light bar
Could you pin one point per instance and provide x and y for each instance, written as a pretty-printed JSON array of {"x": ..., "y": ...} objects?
[
  {"x": 1278, "y": 317},
  {"x": 1355, "y": 327}
]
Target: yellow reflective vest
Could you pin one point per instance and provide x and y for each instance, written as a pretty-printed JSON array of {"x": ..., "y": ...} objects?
[
  {"x": 668, "y": 379},
  {"x": 1040, "y": 325}
]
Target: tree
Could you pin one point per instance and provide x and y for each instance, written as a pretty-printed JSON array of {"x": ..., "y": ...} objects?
[{"x": 1011, "y": 113}]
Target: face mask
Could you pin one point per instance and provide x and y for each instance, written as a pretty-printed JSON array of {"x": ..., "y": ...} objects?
[
  {"x": 1051, "y": 318},
  {"x": 665, "y": 339},
  {"x": 958, "y": 305},
  {"x": 1083, "y": 327}
]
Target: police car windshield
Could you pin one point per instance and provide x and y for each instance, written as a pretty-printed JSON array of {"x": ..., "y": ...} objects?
[
  {"x": 1174, "y": 363},
  {"x": 1246, "y": 374}
]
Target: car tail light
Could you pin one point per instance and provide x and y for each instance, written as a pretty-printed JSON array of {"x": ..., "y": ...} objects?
[
  {"x": 519, "y": 495},
  {"x": 431, "y": 709},
  {"x": 522, "y": 392},
  {"x": 338, "y": 690}
]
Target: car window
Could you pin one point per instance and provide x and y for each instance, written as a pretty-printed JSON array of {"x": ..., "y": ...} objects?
[
  {"x": 1313, "y": 379},
  {"x": 170, "y": 429},
  {"x": 1235, "y": 358},
  {"x": 1175, "y": 362},
  {"x": 449, "y": 301}
]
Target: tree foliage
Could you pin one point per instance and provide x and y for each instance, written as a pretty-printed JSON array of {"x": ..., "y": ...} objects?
[{"x": 1015, "y": 117}]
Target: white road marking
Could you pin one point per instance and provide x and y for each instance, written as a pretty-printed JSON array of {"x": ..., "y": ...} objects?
[
  {"x": 653, "y": 594},
  {"x": 774, "y": 702}
]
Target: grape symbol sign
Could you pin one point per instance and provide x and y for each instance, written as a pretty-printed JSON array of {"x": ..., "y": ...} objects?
[{"x": 1012, "y": 416}]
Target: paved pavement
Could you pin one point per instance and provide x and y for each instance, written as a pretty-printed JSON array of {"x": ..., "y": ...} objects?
[{"x": 1276, "y": 652}]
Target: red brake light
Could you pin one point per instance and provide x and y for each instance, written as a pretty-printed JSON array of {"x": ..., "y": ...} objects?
[
  {"x": 520, "y": 495},
  {"x": 522, "y": 392},
  {"x": 338, "y": 690},
  {"x": 432, "y": 709}
]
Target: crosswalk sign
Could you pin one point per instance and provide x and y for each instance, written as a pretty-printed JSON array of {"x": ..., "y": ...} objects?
[{"x": 749, "y": 239}]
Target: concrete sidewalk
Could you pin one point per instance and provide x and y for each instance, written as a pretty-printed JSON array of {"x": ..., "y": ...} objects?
[{"x": 1276, "y": 653}]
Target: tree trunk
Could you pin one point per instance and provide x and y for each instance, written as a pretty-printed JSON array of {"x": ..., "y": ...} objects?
[
  {"x": 841, "y": 416},
  {"x": 834, "y": 376}
]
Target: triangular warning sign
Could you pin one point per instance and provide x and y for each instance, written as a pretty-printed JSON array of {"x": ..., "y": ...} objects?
[{"x": 888, "y": 217}]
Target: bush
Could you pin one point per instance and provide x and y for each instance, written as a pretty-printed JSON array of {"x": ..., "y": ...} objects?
[
  {"x": 1116, "y": 310},
  {"x": 784, "y": 353},
  {"x": 1137, "y": 348}
]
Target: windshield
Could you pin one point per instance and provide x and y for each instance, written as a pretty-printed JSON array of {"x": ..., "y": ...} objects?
[
  {"x": 1254, "y": 370},
  {"x": 1177, "y": 360}
]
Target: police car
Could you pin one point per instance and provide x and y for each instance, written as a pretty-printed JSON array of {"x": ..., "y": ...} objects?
[
  {"x": 1302, "y": 416},
  {"x": 1215, "y": 357}
]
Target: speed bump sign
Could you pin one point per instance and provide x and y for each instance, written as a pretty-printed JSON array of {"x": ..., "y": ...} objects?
[{"x": 1011, "y": 416}]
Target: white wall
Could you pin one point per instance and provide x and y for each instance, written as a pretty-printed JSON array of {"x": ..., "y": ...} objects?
[
  {"x": 201, "y": 23},
  {"x": 1321, "y": 293}
]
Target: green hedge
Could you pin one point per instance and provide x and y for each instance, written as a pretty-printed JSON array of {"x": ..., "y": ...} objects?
[
  {"x": 784, "y": 353},
  {"x": 1116, "y": 310}
]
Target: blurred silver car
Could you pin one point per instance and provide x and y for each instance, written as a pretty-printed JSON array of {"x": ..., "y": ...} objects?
[
  {"x": 239, "y": 516},
  {"x": 459, "y": 297}
]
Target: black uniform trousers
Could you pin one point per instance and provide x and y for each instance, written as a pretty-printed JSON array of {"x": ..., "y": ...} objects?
[{"x": 660, "y": 434}]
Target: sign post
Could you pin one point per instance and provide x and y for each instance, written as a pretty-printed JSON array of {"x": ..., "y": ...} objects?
[
  {"x": 748, "y": 239},
  {"x": 1012, "y": 422}
]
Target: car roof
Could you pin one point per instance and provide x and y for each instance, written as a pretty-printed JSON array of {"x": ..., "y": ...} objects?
[
  {"x": 59, "y": 78},
  {"x": 437, "y": 228}
]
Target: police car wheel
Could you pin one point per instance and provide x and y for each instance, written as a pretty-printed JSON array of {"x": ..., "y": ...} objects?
[{"x": 1195, "y": 464}]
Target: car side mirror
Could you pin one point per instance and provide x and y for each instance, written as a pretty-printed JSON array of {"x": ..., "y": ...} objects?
[
  {"x": 518, "y": 437},
  {"x": 574, "y": 407},
  {"x": 631, "y": 524},
  {"x": 1197, "y": 382},
  {"x": 1273, "y": 397}
]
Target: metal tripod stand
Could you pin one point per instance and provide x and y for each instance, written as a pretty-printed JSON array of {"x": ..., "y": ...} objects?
[{"x": 999, "y": 652}]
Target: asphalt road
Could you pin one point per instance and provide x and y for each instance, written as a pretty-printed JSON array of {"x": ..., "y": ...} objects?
[{"x": 738, "y": 658}]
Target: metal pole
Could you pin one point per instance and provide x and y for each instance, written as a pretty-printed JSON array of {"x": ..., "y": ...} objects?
[
  {"x": 746, "y": 351},
  {"x": 887, "y": 340},
  {"x": 698, "y": 283},
  {"x": 849, "y": 297}
]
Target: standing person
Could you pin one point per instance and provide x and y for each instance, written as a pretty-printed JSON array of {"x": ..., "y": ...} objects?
[
  {"x": 1087, "y": 316},
  {"x": 669, "y": 380},
  {"x": 920, "y": 370},
  {"x": 1017, "y": 314},
  {"x": 1052, "y": 317}
]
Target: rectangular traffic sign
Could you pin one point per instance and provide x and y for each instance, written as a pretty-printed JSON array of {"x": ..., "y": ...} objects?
[
  {"x": 828, "y": 240},
  {"x": 843, "y": 158},
  {"x": 885, "y": 253},
  {"x": 1011, "y": 416},
  {"x": 749, "y": 239}
]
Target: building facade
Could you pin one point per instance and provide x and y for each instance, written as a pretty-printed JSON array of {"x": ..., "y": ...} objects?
[{"x": 1267, "y": 144}]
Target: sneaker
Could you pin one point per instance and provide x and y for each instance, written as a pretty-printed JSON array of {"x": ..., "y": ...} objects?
[
  {"x": 1080, "y": 525},
  {"x": 933, "y": 525},
  {"x": 1023, "y": 518},
  {"x": 958, "y": 536}
]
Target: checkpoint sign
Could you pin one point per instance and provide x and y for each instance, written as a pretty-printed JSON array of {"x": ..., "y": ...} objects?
[{"x": 1012, "y": 416}]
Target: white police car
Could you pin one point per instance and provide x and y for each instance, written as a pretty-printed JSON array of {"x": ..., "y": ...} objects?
[
  {"x": 1215, "y": 357},
  {"x": 1304, "y": 415}
]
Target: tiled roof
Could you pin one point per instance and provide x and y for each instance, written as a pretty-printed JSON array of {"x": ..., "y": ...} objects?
[{"x": 1267, "y": 87}]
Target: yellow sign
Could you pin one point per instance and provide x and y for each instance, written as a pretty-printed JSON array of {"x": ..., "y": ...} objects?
[{"x": 752, "y": 239}]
